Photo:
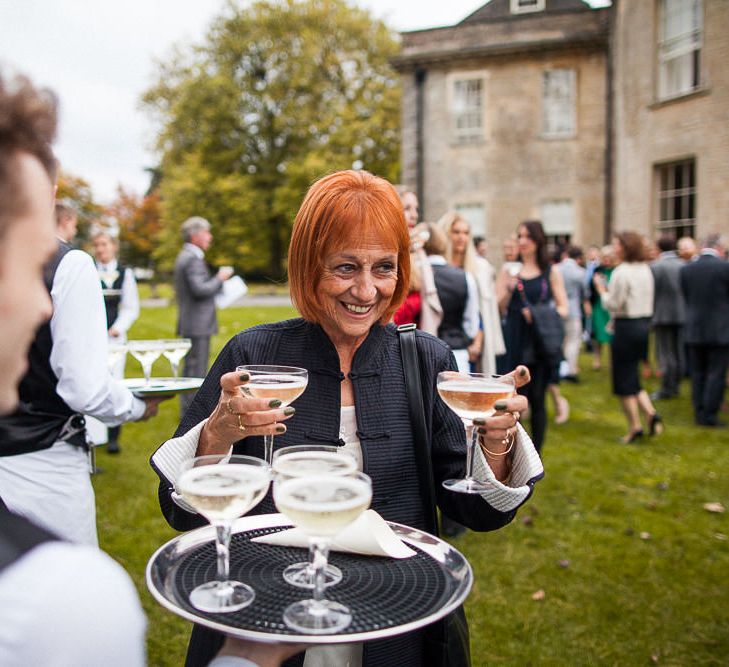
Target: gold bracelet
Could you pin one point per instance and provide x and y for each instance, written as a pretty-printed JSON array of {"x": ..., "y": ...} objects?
[{"x": 504, "y": 453}]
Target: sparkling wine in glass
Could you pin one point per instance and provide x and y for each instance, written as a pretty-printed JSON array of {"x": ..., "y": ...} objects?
[
  {"x": 321, "y": 506},
  {"x": 286, "y": 383},
  {"x": 300, "y": 461},
  {"x": 472, "y": 395},
  {"x": 174, "y": 351},
  {"x": 222, "y": 488},
  {"x": 146, "y": 352}
]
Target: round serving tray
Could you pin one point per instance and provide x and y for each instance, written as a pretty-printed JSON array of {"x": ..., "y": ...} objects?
[
  {"x": 162, "y": 386},
  {"x": 386, "y": 596}
]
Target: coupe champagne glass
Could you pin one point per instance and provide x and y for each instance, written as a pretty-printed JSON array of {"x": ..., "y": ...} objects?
[
  {"x": 146, "y": 352},
  {"x": 321, "y": 506},
  {"x": 117, "y": 352},
  {"x": 286, "y": 383},
  {"x": 299, "y": 461},
  {"x": 174, "y": 351},
  {"x": 222, "y": 488},
  {"x": 472, "y": 395}
]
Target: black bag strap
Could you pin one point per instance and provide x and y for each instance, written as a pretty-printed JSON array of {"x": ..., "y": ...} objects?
[{"x": 413, "y": 389}]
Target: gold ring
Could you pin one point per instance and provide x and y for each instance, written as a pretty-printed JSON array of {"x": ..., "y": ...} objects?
[
  {"x": 227, "y": 406},
  {"x": 241, "y": 427}
]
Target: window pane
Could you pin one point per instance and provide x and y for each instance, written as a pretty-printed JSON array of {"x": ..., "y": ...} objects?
[
  {"x": 558, "y": 217},
  {"x": 558, "y": 102},
  {"x": 466, "y": 108},
  {"x": 676, "y": 195}
]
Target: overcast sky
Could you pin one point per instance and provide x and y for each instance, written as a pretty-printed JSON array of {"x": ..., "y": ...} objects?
[{"x": 99, "y": 56}]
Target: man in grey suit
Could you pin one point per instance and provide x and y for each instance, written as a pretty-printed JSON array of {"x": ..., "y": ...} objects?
[
  {"x": 195, "y": 290},
  {"x": 668, "y": 317}
]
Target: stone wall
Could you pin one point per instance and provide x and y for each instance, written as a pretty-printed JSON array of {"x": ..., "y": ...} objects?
[{"x": 648, "y": 132}]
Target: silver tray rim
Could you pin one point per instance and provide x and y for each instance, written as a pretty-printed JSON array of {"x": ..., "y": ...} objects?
[
  {"x": 175, "y": 386},
  {"x": 432, "y": 546}
]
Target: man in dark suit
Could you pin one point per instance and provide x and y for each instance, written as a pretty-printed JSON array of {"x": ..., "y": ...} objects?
[
  {"x": 195, "y": 290},
  {"x": 668, "y": 317},
  {"x": 705, "y": 286}
]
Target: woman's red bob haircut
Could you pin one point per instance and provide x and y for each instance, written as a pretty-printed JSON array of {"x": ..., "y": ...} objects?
[{"x": 345, "y": 209}]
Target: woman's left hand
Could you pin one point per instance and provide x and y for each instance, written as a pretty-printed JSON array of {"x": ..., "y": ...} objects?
[{"x": 497, "y": 433}]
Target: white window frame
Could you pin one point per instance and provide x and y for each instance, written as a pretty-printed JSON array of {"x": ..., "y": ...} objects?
[
  {"x": 474, "y": 212},
  {"x": 558, "y": 225},
  {"x": 566, "y": 104},
  {"x": 679, "y": 54},
  {"x": 470, "y": 133},
  {"x": 518, "y": 8}
]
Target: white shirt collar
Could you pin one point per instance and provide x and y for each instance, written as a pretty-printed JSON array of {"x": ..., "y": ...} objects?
[
  {"x": 710, "y": 251},
  {"x": 196, "y": 250},
  {"x": 113, "y": 265},
  {"x": 437, "y": 260}
]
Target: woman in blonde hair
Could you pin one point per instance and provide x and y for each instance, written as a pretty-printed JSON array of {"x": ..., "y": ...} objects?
[{"x": 489, "y": 342}]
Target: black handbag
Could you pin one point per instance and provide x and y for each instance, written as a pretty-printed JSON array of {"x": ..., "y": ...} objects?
[
  {"x": 447, "y": 641},
  {"x": 547, "y": 325}
]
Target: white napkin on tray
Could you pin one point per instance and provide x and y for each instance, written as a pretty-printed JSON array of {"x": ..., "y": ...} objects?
[{"x": 369, "y": 535}]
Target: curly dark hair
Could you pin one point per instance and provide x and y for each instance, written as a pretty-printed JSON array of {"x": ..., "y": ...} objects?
[{"x": 28, "y": 118}]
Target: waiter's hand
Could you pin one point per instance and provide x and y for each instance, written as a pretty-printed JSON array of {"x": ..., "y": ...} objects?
[
  {"x": 151, "y": 405},
  {"x": 264, "y": 655},
  {"x": 114, "y": 333}
]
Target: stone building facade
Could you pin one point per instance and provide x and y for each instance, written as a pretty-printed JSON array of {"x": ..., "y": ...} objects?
[
  {"x": 504, "y": 118},
  {"x": 591, "y": 120},
  {"x": 671, "y": 116}
]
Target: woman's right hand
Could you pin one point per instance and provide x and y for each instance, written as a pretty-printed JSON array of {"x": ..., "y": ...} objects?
[{"x": 237, "y": 416}]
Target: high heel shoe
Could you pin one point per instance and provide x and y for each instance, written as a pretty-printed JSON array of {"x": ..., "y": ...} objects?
[
  {"x": 632, "y": 437},
  {"x": 655, "y": 424}
]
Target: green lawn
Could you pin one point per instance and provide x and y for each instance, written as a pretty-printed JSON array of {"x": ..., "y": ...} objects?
[{"x": 634, "y": 570}]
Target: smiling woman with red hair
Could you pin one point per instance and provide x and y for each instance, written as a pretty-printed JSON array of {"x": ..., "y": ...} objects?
[{"x": 349, "y": 270}]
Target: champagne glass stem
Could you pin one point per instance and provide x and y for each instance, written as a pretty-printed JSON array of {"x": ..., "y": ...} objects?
[
  {"x": 268, "y": 449},
  {"x": 321, "y": 556},
  {"x": 470, "y": 442},
  {"x": 222, "y": 547},
  {"x": 175, "y": 368},
  {"x": 147, "y": 370}
]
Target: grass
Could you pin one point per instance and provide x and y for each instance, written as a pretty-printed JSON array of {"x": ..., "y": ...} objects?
[{"x": 633, "y": 568}]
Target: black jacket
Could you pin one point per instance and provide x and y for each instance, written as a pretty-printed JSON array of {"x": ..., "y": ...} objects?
[
  {"x": 383, "y": 427},
  {"x": 705, "y": 286}
]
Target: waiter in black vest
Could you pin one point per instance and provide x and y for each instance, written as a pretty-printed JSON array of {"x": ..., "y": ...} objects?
[
  {"x": 56, "y": 598},
  {"x": 121, "y": 302},
  {"x": 44, "y": 455}
]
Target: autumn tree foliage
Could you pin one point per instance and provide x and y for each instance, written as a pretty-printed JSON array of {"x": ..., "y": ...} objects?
[
  {"x": 79, "y": 192},
  {"x": 280, "y": 93},
  {"x": 139, "y": 222}
]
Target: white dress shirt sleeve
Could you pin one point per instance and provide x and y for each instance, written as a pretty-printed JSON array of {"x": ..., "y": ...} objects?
[
  {"x": 471, "y": 311},
  {"x": 128, "y": 305},
  {"x": 79, "y": 356},
  {"x": 68, "y": 604}
]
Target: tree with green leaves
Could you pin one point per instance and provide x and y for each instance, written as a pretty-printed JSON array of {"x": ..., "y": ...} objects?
[{"x": 280, "y": 93}]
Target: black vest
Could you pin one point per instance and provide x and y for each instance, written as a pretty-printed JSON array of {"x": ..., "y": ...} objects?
[
  {"x": 42, "y": 413},
  {"x": 450, "y": 282},
  {"x": 112, "y": 301},
  {"x": 18, "y": 536}
]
